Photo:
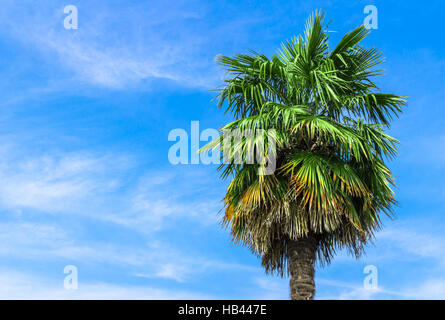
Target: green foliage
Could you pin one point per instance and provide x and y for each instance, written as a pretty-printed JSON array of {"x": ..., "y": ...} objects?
[{"x": 331, "y": 179}]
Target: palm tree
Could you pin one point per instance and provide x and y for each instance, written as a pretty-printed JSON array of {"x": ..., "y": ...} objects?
[{"x": 328, "y": 120}]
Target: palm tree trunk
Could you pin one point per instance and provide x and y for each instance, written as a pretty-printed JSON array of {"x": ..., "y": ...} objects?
[{"x": 301, "y": 266}]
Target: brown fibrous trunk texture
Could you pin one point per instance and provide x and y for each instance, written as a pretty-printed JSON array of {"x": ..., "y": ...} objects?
[{"x": 302, "y": 254}]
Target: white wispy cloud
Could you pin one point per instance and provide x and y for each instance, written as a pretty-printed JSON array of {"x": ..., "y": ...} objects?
[
  {"x": 160, "y": 197},
  {"x": 270, "y": 288},
  {"x": 17, "y": 285},
  {"x": 51, "y": 242},
  {"x": 429, "y": 289},
  {"x": 91, "y": 186},
  {"x": 96, "y": 185},
  {"x": 120, "y": 47},
  {"x": 398, "y": 247},
  {"x": 414, "y": 243},
  {"x": 56, "y": 182}
]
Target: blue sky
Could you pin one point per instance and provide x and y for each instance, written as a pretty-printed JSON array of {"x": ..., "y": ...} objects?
[{"x": 85, "y": 177}]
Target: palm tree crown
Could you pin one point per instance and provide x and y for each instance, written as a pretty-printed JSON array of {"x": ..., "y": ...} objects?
[{"x": 328, "y": 121}]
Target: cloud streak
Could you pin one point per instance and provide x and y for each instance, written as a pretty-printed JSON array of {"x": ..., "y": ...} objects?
[{"x": 121, "y": 50}]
